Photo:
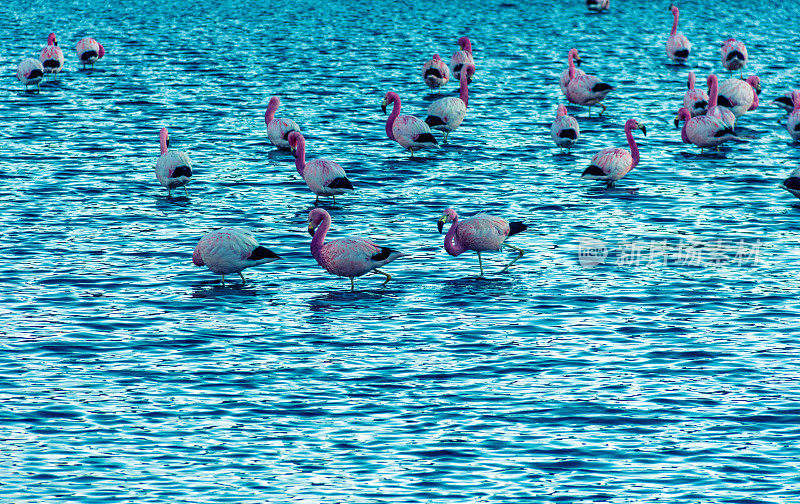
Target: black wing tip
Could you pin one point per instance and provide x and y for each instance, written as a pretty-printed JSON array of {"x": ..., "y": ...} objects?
[
  {"x": 432, "y": 121},
  {"x": 340, "y": 183},
  {"x": 682, "y": 53},
  {"x": 383, "y": 254},
  {"x": 701, "y": 104},
  {"x": 602, "y": 86},
  {"x": 88, "y": 54},
  {"x": 723, "y": 101},
  {"x": 785, "y": 100},
  {"x": 182, "y": 171},
  {"x": 35, "y": 73},
  {"x": 435, "y": 72},
  {"x": 262, "y": 253},
  {"x": 568, "y": 133},
  {"x": 427, "y": 138},
  {"x": 51, "y": 63},
  {"x": 724, "y": 132},
  {"x": 516, "y": 227},
  {"x": 594, "y": 171},
  {"x": 792, "y": 183}
]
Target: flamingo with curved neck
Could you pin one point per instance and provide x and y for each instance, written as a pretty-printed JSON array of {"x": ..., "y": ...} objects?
[
  {"x": 676, "y": 14},
  {"x": 410, "y": 132},
  {"x": 571, "y": 71},
  {"x": 323, "y": 177},
  {"x": 461, "y": 58},
  {"x": 173, "y": 168},
  {"x": 51, "y": 57},
  {"x": 612, "y": 164},
  {"x": 678, "y": 46},
  {"x": 704, "y": 131}
]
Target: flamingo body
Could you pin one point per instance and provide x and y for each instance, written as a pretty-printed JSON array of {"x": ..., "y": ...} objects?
[
  {"x": 739, "y": 96},
  {"x": 793, "y": 123},
  {"x": 410, "y": 132},
  {"x": 173, "y": 168},
  {"x": 278, "y": 129},
  {"x": 612, "y": 164},
  {"x": 435, "y": 72},
  {"x": 29, "y": 72},
  {"x": 230, "y": 250},
  {"x": 346, "y": 257},
  {"x": 51, "y": 57},
  {"x": 461, "y": 58},
  {"x": 734, "y": 55},
  {"x": 89, "y": 51},
  {"x": 564, "y": 130},
  {"x": 323, "y": 177},
  {"x": 704, "y": 131},
  {"x": 678, "y": 46}
]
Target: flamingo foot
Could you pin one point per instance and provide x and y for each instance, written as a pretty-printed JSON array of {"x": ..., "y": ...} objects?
[
  {"x": 185, "y": 191},
  {"x": 604, "y": 109},
  {"x": 387, "y": 275},
  {"x": 243, "y": 280}
]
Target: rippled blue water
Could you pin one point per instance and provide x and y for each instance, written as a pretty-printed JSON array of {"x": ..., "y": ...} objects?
[{"x": 129, "y": 375}]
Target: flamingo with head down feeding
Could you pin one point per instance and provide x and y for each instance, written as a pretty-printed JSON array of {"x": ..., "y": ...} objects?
[
  {"x": 346, "y": 257},
  {"x": 695, "y": 99},
  {"x": 410, "y": 132},
  {"x": 734, "y": 55},
  {"x": 52, "y": 58},
  {"x": 89, "y": 51},
  {"x": 704, "y": 131},
  {"x": 480, "y": 233},
  {"x": 173, "y": 168},
  {"x": 323, "y": 177},
  {"x": 461, "y": 58},
  {"x": 678, "y": 46},
  {"x": 29, "y": 72},
  {"x": 612, "y": 164},
  {"x": 278, "y": 129},
  {"x": 598, "y": 5},
  {"x": 564, "y": 130},
  {"x": 446, "y": 114},
  {"x": 435, "y": 73},
  {"x": 793, "y": 123},
  {"x": 740, "y": 96},
  {"x": 229, "y": 250},
  {"x": 586, "y": 90},
  {"x": 572, "y": 59}
]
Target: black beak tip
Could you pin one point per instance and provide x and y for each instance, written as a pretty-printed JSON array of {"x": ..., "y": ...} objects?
[
  {"x": 677, "y": 121},
  {"x": 440, "y": 225},
  {"x": 311, "y": 231},
  {"x": 644, "y": 130},
  {"x": 383, "y": 107}
]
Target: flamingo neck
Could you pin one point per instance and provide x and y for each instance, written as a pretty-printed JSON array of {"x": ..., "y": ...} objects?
[
  {"x": 270, "y": 114},
  {"x": 450, "y": 245},
  {"x": 162, "y": 140},
  {"x": 571, "y": 66},
  {"x": 796, "y": 100},
  {"x": 713, "y": 93},
  {"x": 300, "y": 156},
  {"x": 392, "y": 117},
  {"x": 463, "y": 89},
  {"x": 562, "y": 111},
  {"x": 684, "y": 136},
  {"x": 632, "y": 145},
  {"x": 691, "y": 80},
  {"x": 467, "y": 47},
  {"x": 675, "y": 21},
  {"x": 318, "y": 239}
]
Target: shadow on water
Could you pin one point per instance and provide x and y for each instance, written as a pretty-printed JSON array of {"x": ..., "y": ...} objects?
[
  {"x": 215, "y": 289},
  {"x": 605, "y": 191}
]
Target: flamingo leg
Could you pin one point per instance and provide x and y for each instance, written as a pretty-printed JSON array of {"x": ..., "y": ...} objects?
[
  {"x": 521, "y": 252},
  {"x": 387, "y": 275},
  {"x": 480, "y": 263},
  {"x": 445, "y": 136},
  {"x": 223, "y": 279},
  {"x": 243, "y": 280},
  {"x": 169, "y": 192},
  {"x": 316, "y": 201},
  {"x": 334, "y": 198},
  {"x": 412, "y": 152},
  {"x": 604, "y": 109},
  {"x": 352, "y": 285},
  {"x": 185, "y": 191}
]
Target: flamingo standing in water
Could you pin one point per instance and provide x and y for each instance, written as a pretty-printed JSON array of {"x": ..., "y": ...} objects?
[
  {"x": 410, "y": 132},
  {"x": 346, "y": 257},
  {"x": 52, "y": 58},
  {"x": 722, "y": 113},
  {"x": 740, "y": 96},
  {"x": 793, "y": 124},
  {"x": 29, "y": 72},
  {"x": 678, "y": 46},
  {"x": 435, "y": 73},
  {"x": 278, "y": 129},
  {"x": 89, "y": 51},
  {"x": 734, "y": 55},
  {"x": 480, "y": 233},
  {"x": 461, "y": 58},
  {"x": 572, "y": 59},
  {"x": 565, "y": 130},
  {"x": 229, "y": 250},
  {"x": 704, "y": 131},
  {"x": 173, "y": 168},
  {"x": 323, "y": 177},
  {"x": 446, "y": 114},
  {"x": 585, "y": 89},
  {"x": 792, "y": 184},
  {"x": 598, "y": 5},
  {"x": 612, "y": 164},
  {"x": 695, "y": 99}
]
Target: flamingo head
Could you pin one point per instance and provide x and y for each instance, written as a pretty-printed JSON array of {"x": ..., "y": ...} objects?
[
  {"x": 101, "y": 52},
  {"x": 673, "y": 9},
  {"x": 390, "y": 97},
  {"x": 449, "y": 216},
  {"x": 562, "y": 111},
  {"x": 634, "y": 124},
  {"x": 575, "y": 56},
  {"x": 469, "y": 71},
  {"x": 691, "y": 80},
  {"x": 465, "y": 44},
  {"x": 755, "y": 83},
  {"x": 163, "y": 139},
  {"x": 683, "y": 115},
  {"x": 52, "y": 40},
  {"x": 436, "y": 57},
  {"x": 296, "y": 138},
  {"x": 711, "y": 80},
  {"x": 272, "y": 107},
  {"x": 315, "y": 218}
]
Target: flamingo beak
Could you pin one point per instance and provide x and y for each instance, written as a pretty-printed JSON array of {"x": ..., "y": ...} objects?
[
  {"x": 578, "y": 60},
  {"x": 383, "y": 106},
  {"x": 311, "y": 229},
  {"x": 167, "y": 142},
  {"x": 643, "y": 128},
  {"x": 677, "y": 121},
  {"x": 440, "y": 224}
]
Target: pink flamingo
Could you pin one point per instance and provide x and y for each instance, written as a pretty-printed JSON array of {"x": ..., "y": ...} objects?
[
  {"x": 278, "y": 129},
  {"x": 89, "y": 51},
  {"x": 793, "y": 124},
  {"x": 586, "y": 90},
  {"x": 346, "y": 257},
  {"x": 695, "y": 99},
  {"x": 612, "y": 164},
  {"x": 446, "y": 114},
  {"x": 29, "y": 72},
  {"x": 461, "y": 58},
  {"x": 52, "y": 58},
  {"x": 734, "y": 55},
  {"x": 678, "y": 46},
  {"x": 229, "y": 250},
  {"x": 704, "y": 131},
  {"x": 323, "y": 177},
  {"x": 565, "y": 130},
  {"x": 173, "y": 168},
  {"x": 598, "y": 5},
  {"x": 723, "y": 114},
  {"x": 792, "y": 184},
  {"x": 740, "y": 96},
  {"x": 572, "y": 59},
  {"x": 480, "y": 233},
  {"x": 410, "y": 132},
  {"x": 435, "y": 73}
]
